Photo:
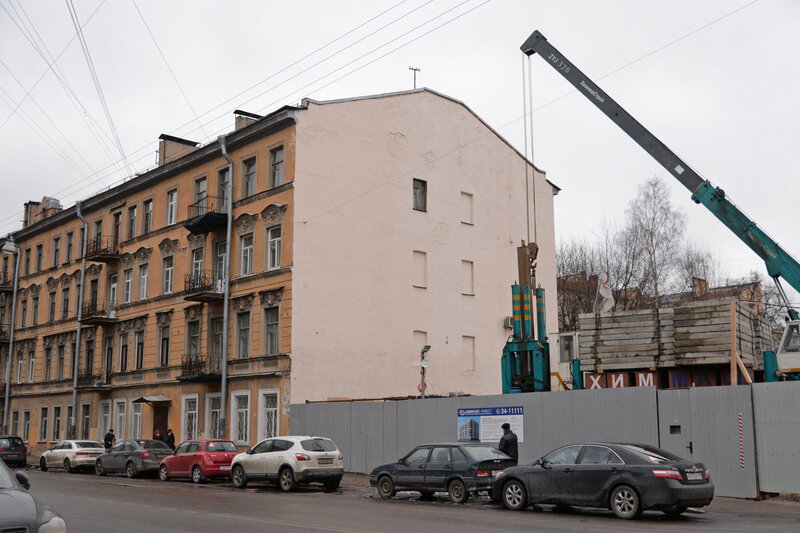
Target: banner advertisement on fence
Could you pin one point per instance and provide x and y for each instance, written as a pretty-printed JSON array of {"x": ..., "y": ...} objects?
[{"x": 483, "y": 423}]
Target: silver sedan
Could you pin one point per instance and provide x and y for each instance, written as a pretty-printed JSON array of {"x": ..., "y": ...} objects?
[{"x": 71, "y": 455}]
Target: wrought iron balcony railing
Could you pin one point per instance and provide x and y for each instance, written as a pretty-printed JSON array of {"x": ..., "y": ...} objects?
[
  {"x": 208, "y": 204},
  {"x": 199, "y": 365}
]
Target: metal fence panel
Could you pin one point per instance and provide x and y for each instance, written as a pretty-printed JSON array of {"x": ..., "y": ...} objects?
[{"x": 778, "y": 434}]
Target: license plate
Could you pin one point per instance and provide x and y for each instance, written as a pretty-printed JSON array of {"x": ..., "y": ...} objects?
[
  {"x": 694, "y": 476},
  {"x": 225, "y": 468}
]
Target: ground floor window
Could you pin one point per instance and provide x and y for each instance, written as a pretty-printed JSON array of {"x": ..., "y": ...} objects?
[
  {"x": 189, "y": 424},
  {"x": 268, "y": 414},
  {"x": 104, "y": 421},
  {"x": 136, "y": 421},
  {"x": 86, "y": 413},
  {"x": 43, "y": 424},
  {"x": 56, "y": 423},
  {"x": 240, "y": 419},
  {"x": 15, "y": 423},
  {"x": 26, "y": 425},
  {"x": 213, "y": 410},
  {"x": 119, "y": 420}
]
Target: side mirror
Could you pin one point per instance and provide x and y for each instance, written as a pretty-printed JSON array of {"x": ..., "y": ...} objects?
[
  {"x": 249, "y": 451},
  {"x": 23, "y": 479},
  {"x": 401, "y": 461},
  {"x": 539, "y": 461}
]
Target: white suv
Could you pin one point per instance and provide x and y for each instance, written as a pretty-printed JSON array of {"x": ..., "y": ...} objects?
[{"x": 289, "y": 461}]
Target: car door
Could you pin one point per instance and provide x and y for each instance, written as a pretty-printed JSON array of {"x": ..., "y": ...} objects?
[
  {"x": 191, "y": 456},
  {"x": 438, "y": 468},
  {"x": 411, "y": 471},
  {"x": 52, "y": 455},
  {"x": 113, "y": 461},
  {"x": 255, "y": 463},
  {"x": 553, "y": 481},
  {"x": 176, "y": 465},
  {"x": 277, "y": 455},
  {"x": 593, "y": 473}
]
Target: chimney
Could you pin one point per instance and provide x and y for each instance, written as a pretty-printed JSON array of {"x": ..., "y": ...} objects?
[
  {"x": 699, "y": 288},
  {"x": 38, "y": 211},
  {"x": 171, "y": 148},
  {"x": 244, "y": 119}
]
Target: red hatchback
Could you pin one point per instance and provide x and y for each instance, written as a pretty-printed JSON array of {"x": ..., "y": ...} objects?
[{"x": 199, "y": 459}]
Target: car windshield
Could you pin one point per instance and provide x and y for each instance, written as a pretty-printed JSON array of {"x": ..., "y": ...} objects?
[
  {"x": 153, "y": 445},
  {"x": 87, "y": 444},
  {"x": 221, "y": 446},
  {"x": 485, "y": 453},
  {"x": 6, "y": 478},
  {"x": 8, "y": 442},
  {"x": 318, "y": 445},
  {"x": 654, "y": 455}
]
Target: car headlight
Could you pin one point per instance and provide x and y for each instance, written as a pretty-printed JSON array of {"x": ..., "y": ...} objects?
[{"x": 55, "y": 525}]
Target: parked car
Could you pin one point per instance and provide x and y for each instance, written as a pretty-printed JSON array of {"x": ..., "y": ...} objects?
[
  {"x": 199, "y": 459},
  {"x": 71, "y": 455},
  {"x": 132, "y": 456},
  {"x": 461, "y": 469},
  {"x": 627, "y": 478},
  {"x": 20, "y": 510},
  {"x": 13, "y": 451},
  {"x": 290, "y": 461}
]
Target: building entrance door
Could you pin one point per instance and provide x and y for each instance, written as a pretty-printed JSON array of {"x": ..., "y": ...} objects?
[{"x": 160, "y": 418}]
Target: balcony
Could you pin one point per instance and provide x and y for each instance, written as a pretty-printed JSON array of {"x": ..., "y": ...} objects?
[
  {"x": 6, "y": 282},
  {"x": 95, "y": 314},
  {"x": 94, "y": 380},
  {"x": 207, "y": 214},
  {"x": 204, "y": 286},
  {"x": 200, "y": 367},
  {"x": 102, "y": 249}
]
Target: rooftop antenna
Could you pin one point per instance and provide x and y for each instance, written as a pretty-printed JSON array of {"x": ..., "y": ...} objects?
[{"x": 415, "y": 69}]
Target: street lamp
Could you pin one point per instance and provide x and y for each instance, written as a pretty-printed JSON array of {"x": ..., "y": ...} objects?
[
  {"x": 424, "y": 363},
  {"x": 10, "y": 248}
]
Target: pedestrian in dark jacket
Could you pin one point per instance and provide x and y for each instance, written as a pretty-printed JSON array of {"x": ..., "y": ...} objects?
[
  {"x": 508, "y": 442},
  {"x": 157, "y": 435},
  {"x": 170, "y": 440},
  {"x": 108, "y": 440}
]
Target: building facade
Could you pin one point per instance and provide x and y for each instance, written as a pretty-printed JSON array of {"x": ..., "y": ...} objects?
[{"x": 361, "y": 230}]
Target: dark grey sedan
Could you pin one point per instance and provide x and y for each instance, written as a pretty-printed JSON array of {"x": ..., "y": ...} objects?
[
  {"x": 13, "y": 451},
  {"x": 20, "y": 511},
  {"x": 133, "y": 457}
]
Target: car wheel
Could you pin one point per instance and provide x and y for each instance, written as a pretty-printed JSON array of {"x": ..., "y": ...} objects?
[
  {"x": 130, "y": 469},
  {"x": 458, "y": 491},
  {"x": 386, "y": 488},
  {"x": 68, "y": 466},
  {"x": 163, "y": 473},
  {"x": 625, "y": 502},
  {"x": 332, "y": 484},
  {"x": 238, "y": 477},
  {"x": 98, "y": 468},
  {"x": 286, "y": 480},
  {"x": 426, "y": 495},
  {"x": 676, "y": 511},
  {"x": 515, "y": 497},
  {"x": 43, "y": 464},
  {"x": 197, "y": 475}
]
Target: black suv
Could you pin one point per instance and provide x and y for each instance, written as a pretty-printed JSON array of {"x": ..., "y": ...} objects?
[{"x": 13, "y": 451}]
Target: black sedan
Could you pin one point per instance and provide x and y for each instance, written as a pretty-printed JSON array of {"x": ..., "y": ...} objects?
[
  {"x": 133, "y": 457},
  {"x": 627, "y": 478},
  {"x": 13, "y": 451},
  {"x": 461, "y": 469},
  {"x": 20, "y": 511}
]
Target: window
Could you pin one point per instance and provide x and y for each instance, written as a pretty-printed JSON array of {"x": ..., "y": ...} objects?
[
  {"x": 189, "y": 418},
  {"x": 566, "y": 348},
  {"x": 164, "y": 342},
  {"x": 93, "y": 288},
  {"x": 249, "y": 184},
  {"x": 132, "y": 212},
  {"x": 222, "y": 186},
  {"x": 77, "y": 298},
  {"x": 240, "y": 417},
  {"x": 219, "y": 260},
  {"x": 243, "y": 333},
  {"x": 147, "y": 218},
  {"x": 167, "y": 285},
  {"x": 62, "y": 358},
  {"x": 43, "y": 424},
  {"x": 86, "y": 414},
  {"x": 247, "y": 254},
  {"x": 56, "y": 423},
  {"x": 56, "y": 250},
  {"x": 271, "y": 315},
  {"x": 564, "y": 456},
  {"x": 123, "y": 352},
  {"x": 109, "y": 362},
  {"x": 35, "y": 313},
  {"x": 201, "y": 195},
  {"x": 197, "y": 261},
  {"x": 119, "y": 420},
  {"x": 112, "y": 294},
  {"x": 144, "y": 272},
  {"x": 420, "y": 269},
  {"x": 139, "y": 336},
  {"x": 104, "y": 420},
  {"x": 27, "y": 261},
  {"x": 98, "y": 228},
  {"x": 65, "y": 303},
  {"x": 213, "y": 408},
  {"x": 81, "y": 242},
  {"x": 69, "y": 421},
  {"x": 420, "y": 195},
  {"x": 127, "y": 285},
  {"x": 89, "y": 355},
  {"x": 39, "y": 257},
  {"x": 194, "y": 337},
  {"x": 48, "y": 362},
  {"x": 418, "y": 456},
  {"x": 23, "y": 313},
  {"x": 274, "y": 247},
  {"x": 20, "y": 366},
  {"x": 31, "y": 365},
  {"x": 268, "y": 417},
  {"x": 52, "y": 314},
  {"x": 70, "y": 245},
  {"x": 468, "y": 352},
  {"x": 596, "y": 455},
  {"x": 26, "y": 426},
  {"x": 440, "y": 455},
  {"x": 136, "y": 421},
  {"x": 15, "y": 423},
  {"x": 172, "y": 207},
  {"x": 466, "y": 207},
  {"x": 73, "y": 358},
  {"x": 276, "y": 158},
  {"x": 216, "y": 340},
  {"x": 467, "y": 278}
]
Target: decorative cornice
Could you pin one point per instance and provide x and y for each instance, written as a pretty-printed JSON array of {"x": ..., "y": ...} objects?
[
  {"x": 169, "y": 246},
  {"x": 52, "y": 283},
  {"x": 93, "y": 270},
  {"x": 271, "y": 298},
  {"x": 35, "y": 289},
  {"x": 164, "y": 318},
  {"x": 66, "y": 280},
  {"x": 77, "y": 276},
  {"x": 273, "y": 214},
  {"x": 196, "y": 241},
  {"x": 126, "y": 260},
  {"x": 245, "y": 223},
  {"x": 143, "y": 254},
  {"x": 23, "y": 292},
  {"x": 89, "y": 333},
  {"x": 193, "y": 312},
  {"x": 242, "y": 304}
]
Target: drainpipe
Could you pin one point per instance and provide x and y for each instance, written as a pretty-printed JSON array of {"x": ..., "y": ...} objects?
[
  {"x": 227, "y": 295},
  {"x": 77, "y": 360},
  {"x": 7, "y": 398}
]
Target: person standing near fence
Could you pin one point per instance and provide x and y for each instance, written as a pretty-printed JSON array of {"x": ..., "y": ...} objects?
[{"x": 508, "y": 442}]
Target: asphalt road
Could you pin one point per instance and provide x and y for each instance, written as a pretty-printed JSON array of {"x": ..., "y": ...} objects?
[{"x": 116, "y": 504}]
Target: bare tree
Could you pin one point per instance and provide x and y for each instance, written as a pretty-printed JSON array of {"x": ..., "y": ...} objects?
[
  {"x": 576, "y": 267},
  {"x": 659, "y": 229},
  {"x": 694, "y": 262}
]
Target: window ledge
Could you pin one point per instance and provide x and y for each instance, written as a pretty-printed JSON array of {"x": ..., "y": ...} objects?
[
  {"x": 467, "y": 294},
  {"x": 420, "y": 286},
  {"x": 467, "y": 223}
]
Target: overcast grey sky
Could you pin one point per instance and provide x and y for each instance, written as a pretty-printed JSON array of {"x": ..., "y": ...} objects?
[{"x": 723, "y": 96}]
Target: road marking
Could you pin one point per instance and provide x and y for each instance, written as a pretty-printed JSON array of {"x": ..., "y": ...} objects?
[{"x": 326, "y": 527}]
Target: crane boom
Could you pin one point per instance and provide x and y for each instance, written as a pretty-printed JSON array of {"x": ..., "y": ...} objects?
[{"x": 779, "y": 263}]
